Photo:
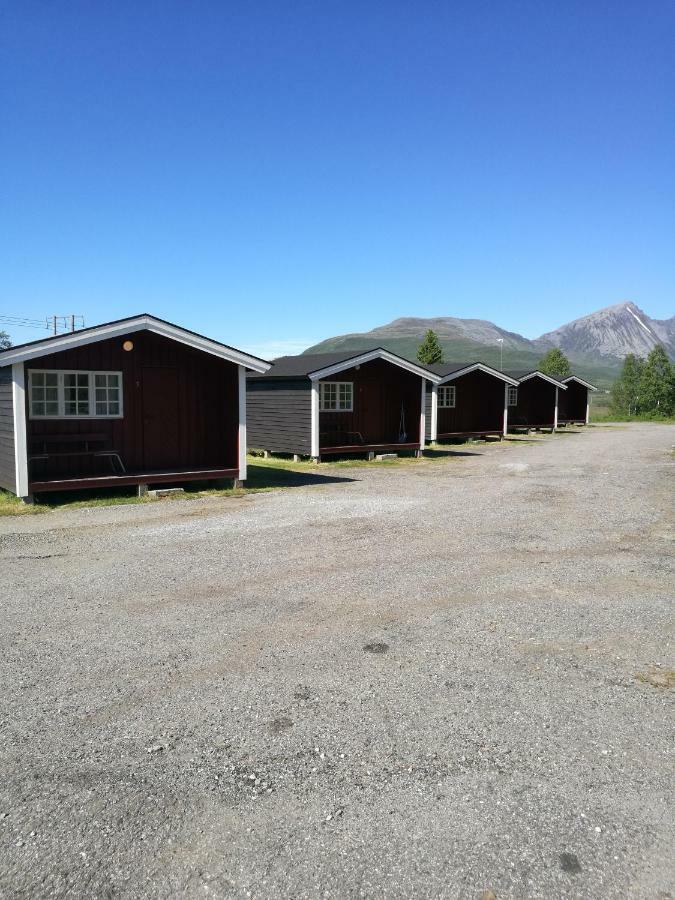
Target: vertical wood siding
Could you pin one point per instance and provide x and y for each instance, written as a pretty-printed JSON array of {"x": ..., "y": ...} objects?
[
  {"x": 279, "y": 415},
  {"x": 205, "y": 430},
  {"x": 7, "y": 461},
  {"x": 479, "y": 405},
  {"x": 536, "y": 405},
  {"x": 381, "y": 391},
  {"x": 572, "y": 402}
]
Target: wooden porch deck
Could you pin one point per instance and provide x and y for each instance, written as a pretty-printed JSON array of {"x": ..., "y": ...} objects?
[
  {"x": 167, "y": 476},
  {"x": 483, "y": 432}
]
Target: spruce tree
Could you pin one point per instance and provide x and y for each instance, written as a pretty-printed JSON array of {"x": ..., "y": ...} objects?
[
  {"x": 5, "y": 342},
  {"x": 555, "y": 363},
  {"x": 430, "y": 350}
]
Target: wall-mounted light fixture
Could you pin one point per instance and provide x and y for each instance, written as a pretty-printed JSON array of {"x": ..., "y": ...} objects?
[{"x": 128, "y": 345}]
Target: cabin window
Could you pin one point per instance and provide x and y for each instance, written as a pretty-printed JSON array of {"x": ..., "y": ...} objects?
[
  {"x": 512, "y": 396},
  {"x": 447, "y": 395},
  {"x": 75, "y": 395},
  {"x": 336, "y": 396}
]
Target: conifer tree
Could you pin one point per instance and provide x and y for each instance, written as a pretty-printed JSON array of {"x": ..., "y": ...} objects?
[{"x": 430, "y": 350}]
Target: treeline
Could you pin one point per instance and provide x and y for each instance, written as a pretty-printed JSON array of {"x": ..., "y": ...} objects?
[{"x": 645, "y": 388}]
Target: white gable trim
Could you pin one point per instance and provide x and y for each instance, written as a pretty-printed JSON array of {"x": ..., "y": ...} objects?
[
  {"x": 548, "y": 378},
  {"x": 368, "y": 357},
  {"x": 482, "y": 368},
  {"x": 586, "y": 384},
  {"x": 128, "y": 326}
]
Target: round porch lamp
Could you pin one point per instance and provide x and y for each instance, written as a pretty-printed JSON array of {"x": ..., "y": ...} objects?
[{"x": 128, "y": 345}]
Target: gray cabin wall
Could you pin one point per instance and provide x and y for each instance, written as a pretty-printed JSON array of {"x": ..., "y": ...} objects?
[
  {"x": 279, "y": 415},
  {"x": 7, "y": 460}
]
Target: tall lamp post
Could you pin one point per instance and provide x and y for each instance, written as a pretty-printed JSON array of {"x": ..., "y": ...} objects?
[{"x": 500, "y": 341}]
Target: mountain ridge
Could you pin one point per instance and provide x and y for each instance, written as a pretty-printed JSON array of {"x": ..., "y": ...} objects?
[{"x": 595, "y": 344}]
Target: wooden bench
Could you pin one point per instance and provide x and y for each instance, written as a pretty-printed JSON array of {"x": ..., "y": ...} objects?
[{"x": 84, "y": 440}]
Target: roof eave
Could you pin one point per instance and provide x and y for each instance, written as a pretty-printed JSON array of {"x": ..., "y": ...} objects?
[
  {"x": 369, "y": 356},
  {"x": 143, "y": 322}
]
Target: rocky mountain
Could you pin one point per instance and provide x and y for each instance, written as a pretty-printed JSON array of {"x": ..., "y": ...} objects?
[
  {"x": 614, "y": 332},
  {"x": 596, "y": 344}
]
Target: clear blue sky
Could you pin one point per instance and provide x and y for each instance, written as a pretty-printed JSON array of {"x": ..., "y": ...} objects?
[{"x": 280, "y": 172}]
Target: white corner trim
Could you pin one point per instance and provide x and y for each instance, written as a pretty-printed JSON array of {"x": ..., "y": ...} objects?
[
  {"x": 315, "y": 451},
  {"x": 555, "y": 412},
  {"x": 129, "y": 326},
  {"x": 481, "y": 367},
  {"x": 433, "y": 430},
  {"x": 588, "y": 410},
  {"x": 506, "y": 410},
  {"x": 423, "y": 413},
  {"x": 379, "y": 353},
  {"x": 581, "y": 381},
  {"x": 20, "y": 436},
  {"x": 541, "y": 375},
  {"x": 242, "y": 422}
]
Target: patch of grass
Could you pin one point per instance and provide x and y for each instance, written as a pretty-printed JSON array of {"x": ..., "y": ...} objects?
[
  {"x": 661, "y": 678},
  {"x": 13, "y": 506},
  {"x": 615, "y": 417}
]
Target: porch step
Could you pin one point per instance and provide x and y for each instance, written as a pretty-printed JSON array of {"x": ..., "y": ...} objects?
[{"x": 384, "y": 456}]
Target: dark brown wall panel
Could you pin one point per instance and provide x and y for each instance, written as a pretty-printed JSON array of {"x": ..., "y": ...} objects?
[
  {"x": 479, "y": 405},
  {"x": 203, "y": 431}
]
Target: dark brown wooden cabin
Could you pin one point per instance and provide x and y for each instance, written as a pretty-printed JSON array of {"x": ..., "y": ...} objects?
[
  {"x": 535, "y": 403},
  {"x": 468, "y": 401},
  {"x": 574, "y": 403},
  {"x": 338, "y": 403},
  {"x": 134, "y": 402}
]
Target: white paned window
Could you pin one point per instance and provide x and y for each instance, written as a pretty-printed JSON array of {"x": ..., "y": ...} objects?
[
  {"x": 107, "y": 397},
  {"x": 447, "y": 394},
  {"x": 336, "y": 396},
  {"x": 74, "y": 395},
  {"x": 513, "y": 396}
]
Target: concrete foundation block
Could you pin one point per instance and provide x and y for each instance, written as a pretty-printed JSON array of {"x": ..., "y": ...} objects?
[{"x": 381, "y": 457}]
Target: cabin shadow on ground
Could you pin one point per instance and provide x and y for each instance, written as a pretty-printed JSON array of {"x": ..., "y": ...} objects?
[
  {"x": 276, "y": 477},
  {"x": 442, "y": 452}
]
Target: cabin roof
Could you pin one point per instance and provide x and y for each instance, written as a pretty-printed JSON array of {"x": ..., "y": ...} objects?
[
  {"x": 448, "y": 371},
  {"x": 143, "y": 322},
  {"x": 586, "y": 384},
  {"x": 322, "y": 365},
  {"x": 526, "y": 374}
]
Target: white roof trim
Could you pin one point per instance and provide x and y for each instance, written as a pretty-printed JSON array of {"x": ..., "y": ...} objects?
[
  {"x": 482, "y": 368},
  {"x": 128, "y": 326},
  {"x": 591, "y": 387},
  {"x": 538, "y": 374},
  {"x": 326, "y": 372}
]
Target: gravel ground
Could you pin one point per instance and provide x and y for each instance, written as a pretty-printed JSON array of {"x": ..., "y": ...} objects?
[{"x": 432, "y": 680}]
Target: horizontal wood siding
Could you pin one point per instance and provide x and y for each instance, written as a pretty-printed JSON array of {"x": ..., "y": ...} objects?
[
  {"x": 7, "y": 461},
  {"x": 572, "y": 403},
  {"x": 381, "y": 391},
  {"x": 536, "y": 405},
  {"x": 204, "y": 427},
  {"x": 479, "y": 405},
  {"x": 279, "y": 415}
]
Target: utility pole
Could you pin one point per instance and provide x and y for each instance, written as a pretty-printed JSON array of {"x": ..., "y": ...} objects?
[
  {"x": 56, "y": 322},
  {"x": 500, "y": 341}
]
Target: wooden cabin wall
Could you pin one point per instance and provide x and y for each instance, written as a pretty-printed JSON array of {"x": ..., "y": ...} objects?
[
  {"x": 572, "y": 402},
  {"x": 479, "y": 405},
  {"x": 279, "y": 414},
  {"x": 7, "y": 460},
  {"x": 380, "y": 388},
  {"x": 536, "y": 404},
  {"x": 192, "y": 419}
]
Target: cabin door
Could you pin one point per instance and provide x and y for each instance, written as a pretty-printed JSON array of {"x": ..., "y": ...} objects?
[{"x": 160, "y": 418}]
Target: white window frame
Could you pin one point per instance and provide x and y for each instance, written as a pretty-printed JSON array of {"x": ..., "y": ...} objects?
[
  {"x": 511, "y": 395},
  {"x": 61, "y": 373},
  {"x": 447, "y": 396},
  {"x": 337, "y": 385}
]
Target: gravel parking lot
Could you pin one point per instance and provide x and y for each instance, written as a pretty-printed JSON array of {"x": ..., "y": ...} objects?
[{"x": 433, "y": 680}]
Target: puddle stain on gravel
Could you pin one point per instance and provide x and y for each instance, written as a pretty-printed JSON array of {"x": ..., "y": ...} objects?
[
  {"x": 569, "y": 862},
  {"x": 376, "y": 647}
]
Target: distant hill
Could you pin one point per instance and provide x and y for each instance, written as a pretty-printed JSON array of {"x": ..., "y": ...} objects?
[{"x": 595, "y": 344}]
